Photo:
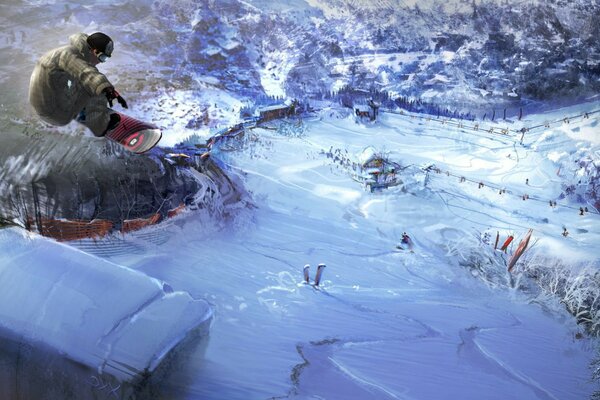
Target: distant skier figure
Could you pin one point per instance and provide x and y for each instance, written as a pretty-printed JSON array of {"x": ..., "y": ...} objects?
[
  {"x": 406, "y": 242},
  {"x": 66, "y": 85},
  {"x": 565, "y": 232}
]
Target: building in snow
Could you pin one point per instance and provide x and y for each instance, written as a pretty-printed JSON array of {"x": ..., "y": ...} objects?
[
  {"x": 376, "y": 171},
  {"x": 369, "y": 110},
  {"x": 277, "y": 111}
]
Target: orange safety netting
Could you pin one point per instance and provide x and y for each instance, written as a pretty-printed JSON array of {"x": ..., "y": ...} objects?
[
  {"x": 175, "y": 211},
  {"x": 65, "y": 230},
  {"x": 130, "y": 225}
]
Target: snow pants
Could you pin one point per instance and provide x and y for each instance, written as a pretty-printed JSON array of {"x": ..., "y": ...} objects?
[{"x": 95, "y": 115}]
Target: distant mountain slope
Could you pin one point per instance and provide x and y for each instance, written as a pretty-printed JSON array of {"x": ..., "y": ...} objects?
[{"x": 459, "y": 53}]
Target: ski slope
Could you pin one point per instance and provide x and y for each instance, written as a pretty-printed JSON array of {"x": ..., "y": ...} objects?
[{"x": 385, "y": 324}]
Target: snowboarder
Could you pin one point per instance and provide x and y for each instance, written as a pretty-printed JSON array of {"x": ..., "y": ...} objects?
[{"x": 66, "y": 85}]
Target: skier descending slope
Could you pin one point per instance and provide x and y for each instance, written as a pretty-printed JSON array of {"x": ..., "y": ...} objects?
[{"x": 406, "y": 243}]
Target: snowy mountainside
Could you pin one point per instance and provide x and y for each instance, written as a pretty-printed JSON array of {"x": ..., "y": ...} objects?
[
  {"x": 385, "y": 323},
  {"x": 483, "y": 52},
  {"x": 469, "y": 56}
]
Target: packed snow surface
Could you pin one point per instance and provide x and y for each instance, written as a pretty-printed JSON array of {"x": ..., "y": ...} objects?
[
  {"x": 385, "y": 323},
  {"x": 90, "y": 310}
]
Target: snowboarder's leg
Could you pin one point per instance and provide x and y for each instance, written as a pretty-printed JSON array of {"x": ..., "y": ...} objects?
[{"x": 97, "y": 116}]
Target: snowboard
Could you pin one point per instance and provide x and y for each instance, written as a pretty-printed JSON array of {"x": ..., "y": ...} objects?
[
  {"x": 135, "y": 135},
  {"x": 402, "y": 248}
]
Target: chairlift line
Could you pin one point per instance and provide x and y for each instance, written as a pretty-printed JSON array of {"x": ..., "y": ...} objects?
[
  {"x": 489, "y": 129},
  {"x": 503, "y": 190}
]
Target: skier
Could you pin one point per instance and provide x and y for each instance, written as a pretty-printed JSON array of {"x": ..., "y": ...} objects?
[
  {"x": 405, "y": 243},
  {"x": 66, "y": 85}
]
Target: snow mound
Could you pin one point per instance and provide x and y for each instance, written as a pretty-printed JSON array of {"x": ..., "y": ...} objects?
[{"x": 93, "y": 311}]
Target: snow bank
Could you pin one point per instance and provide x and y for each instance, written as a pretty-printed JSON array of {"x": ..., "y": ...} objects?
[{"x": 110, "y": 318}]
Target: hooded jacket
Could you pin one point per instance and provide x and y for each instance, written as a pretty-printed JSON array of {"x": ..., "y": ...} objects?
[{"x": 64, "y": 80}]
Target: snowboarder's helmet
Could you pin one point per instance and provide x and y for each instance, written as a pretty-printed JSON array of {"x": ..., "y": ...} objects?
[{"x": 103, "y": 43}]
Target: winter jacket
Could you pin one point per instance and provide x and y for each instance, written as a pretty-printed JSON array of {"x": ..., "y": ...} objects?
[{"x": 64, "y": 80}]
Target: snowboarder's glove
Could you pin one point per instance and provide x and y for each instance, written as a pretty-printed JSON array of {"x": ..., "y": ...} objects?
[{"x": 112, "y": 94}]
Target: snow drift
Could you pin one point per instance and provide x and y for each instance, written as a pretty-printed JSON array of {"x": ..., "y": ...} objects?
[{"x": 91, "y": 311}]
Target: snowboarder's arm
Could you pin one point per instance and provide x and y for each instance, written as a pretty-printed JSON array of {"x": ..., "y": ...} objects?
[{"x": 89, "y": 77}]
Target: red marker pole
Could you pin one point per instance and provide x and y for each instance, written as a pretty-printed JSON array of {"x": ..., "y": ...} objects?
[{"x": 506, "y": 243}]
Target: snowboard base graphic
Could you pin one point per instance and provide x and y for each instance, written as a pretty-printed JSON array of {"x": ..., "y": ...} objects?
[{"x": 136, "y": 136}]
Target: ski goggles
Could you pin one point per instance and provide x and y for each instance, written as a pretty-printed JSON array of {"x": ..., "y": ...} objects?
[{"x": 103, "y": 56}]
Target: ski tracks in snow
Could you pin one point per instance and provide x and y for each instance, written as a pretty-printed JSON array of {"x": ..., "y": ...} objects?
[{"x": 482, "y": 359}]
